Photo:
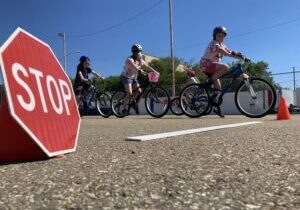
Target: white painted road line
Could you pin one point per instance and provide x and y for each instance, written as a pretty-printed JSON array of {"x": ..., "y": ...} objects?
[{"x": 185, "y": 132}]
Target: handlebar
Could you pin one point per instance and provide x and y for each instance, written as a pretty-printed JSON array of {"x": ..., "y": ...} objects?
[
  {"x": 143, "y": 73},
  {"x": 244, "y": 58},
  {"x": 241, "y": 56}
]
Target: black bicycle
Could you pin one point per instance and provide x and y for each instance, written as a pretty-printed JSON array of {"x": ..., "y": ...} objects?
[
  {"x": 157, "y": 99},
  {"x": 254, "y": 97},
  {"x": 94, "y": 97}
]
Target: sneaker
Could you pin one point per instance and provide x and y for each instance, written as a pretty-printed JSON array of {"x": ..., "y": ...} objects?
[
  {"x": 136, "y": 109},
  {"x": 218, "y": 112}
]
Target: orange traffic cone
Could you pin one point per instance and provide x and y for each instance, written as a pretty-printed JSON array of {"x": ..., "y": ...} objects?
[{"x": 283, "y": 111}]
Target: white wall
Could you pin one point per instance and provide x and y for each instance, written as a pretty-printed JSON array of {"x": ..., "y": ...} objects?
[
  {"x": 297, "y": 97},
  {"x": 289, "y": 97}
]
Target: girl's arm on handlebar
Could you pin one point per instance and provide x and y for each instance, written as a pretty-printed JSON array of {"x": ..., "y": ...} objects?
[
  {"x": 82, "y": 77},
  {"x": 152, "y": 69},
  {"x": 98, "y": 75},
  {"x": 230, "y": 53}
]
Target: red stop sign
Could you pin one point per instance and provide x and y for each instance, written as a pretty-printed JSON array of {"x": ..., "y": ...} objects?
[{"x": 39, "y": 93}]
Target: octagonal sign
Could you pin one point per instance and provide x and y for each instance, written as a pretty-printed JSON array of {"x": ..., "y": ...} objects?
[{"x": 39, "y": 94}]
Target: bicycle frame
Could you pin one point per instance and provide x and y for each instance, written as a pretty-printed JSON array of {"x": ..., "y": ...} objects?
[
  {"x": 92, "y": 92},
  {"x": 140, "y": 94},
  {"x": 233, "y": 74}
]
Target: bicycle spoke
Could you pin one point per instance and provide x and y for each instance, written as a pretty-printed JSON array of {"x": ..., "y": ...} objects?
[
  {"x": 103, "y": 105},
  {"x": 117, "y": 104},
  {"x": 157, "y": 102},
  {"x": 175, "y": 106},
  {"x": 256, "y": 98},
  {"x": 194, "y": 100}
]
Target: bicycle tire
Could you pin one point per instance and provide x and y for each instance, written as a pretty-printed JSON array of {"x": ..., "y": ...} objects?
[
  {"x": 209, "y": 110},
  {"x": 271, "y": 107},
  {"x": 166, "y": 105},
  {"x": 185, "y": 104},
  {"x": 116, "y": 103},
  {"x": 103, "y": 101},
  {"x": 173, "y": 101}
]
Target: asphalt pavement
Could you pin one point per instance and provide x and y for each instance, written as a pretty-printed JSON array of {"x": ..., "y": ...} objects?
[{"x": 251, "y": 167}]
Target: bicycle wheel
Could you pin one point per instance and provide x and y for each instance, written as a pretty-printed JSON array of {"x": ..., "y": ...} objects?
[
  {"x": 194, "y": 100},
  {"x": 175, "y": 106},
  {"x": 255, "y": 98},
  {"x": 209, "y": 110},
  {"x": 117, "y": 103},
  {"x": 103, "y": 104},
  {"x": 157, "y": 102}
]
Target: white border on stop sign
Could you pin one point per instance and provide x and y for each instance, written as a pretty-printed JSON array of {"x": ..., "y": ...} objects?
[{"x": 11, "y": 108}]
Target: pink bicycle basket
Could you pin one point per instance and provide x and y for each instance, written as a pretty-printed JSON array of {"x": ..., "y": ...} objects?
[{"x": 153, "y": 76}]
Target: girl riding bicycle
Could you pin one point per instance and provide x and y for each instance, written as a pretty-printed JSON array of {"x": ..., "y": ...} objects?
[
  {"x": 211, "y": 64},
  {"x": 133, "y": 65},
  {"x": 82, "y": 82}
]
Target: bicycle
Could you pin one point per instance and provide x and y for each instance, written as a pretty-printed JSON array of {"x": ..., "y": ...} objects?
[
  {"x": 94, "y": 96},
  {"x": 175, "y": 106},
  {"x": 157, "y": 99},
  {"x": 175, "y": 102},
  {"x": 254, "y": 97}
]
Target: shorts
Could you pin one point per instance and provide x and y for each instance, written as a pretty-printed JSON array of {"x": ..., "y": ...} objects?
[
  {"x": 125, "y": 80},
  {"x": 208, "y": 68}
]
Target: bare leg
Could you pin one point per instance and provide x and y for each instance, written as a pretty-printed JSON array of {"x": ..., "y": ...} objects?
[
  {"x": 220, "y": 70},
  {"x": 136, "y": 96},
  {"x": 137, "y": 87},
  {"x": 128, "y": 89}
]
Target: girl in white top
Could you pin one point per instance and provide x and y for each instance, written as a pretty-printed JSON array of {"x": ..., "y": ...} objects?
[{"x": 133, "y": 66}]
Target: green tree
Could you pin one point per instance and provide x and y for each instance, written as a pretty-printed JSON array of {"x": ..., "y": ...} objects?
[
  {"x": 112, "y": 83},
  {"x": 163, "y": 67}
]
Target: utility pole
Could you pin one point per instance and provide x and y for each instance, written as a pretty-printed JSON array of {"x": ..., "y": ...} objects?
[
  {"x": 294, "y": 78},
  {"x": 172, "y": 48},
  {"x": 63, "y": 36}
]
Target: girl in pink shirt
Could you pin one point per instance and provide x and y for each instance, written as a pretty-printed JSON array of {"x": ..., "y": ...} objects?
[{"x": 133, "y": 66}]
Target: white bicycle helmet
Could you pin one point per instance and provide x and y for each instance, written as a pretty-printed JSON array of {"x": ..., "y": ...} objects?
[{"x": 136, "y": 48}]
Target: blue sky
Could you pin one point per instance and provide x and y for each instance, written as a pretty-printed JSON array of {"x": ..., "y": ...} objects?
[{"x": 193, "y": 24}]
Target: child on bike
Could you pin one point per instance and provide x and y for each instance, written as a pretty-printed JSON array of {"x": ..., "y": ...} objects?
[
  {"x": 82, "y": 82},
  {"x": 133, "y": 65},
  {"x": 191, "y": 77},
  {"x": 211, "y": 64}
]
